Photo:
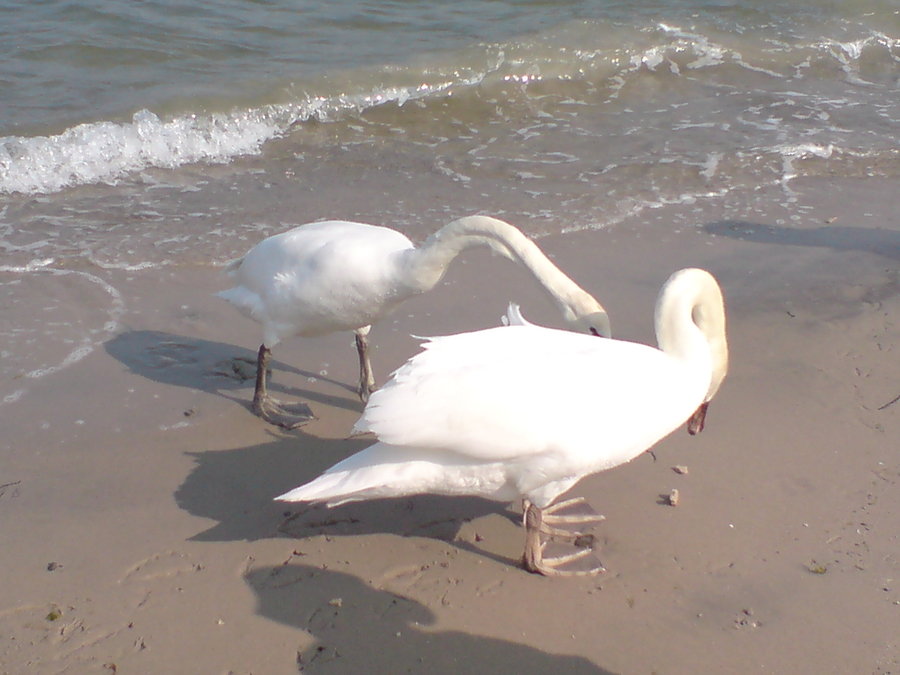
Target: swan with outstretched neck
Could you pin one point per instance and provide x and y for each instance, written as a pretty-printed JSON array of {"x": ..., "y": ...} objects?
[
  {"x": 332, "y": 276},
  {"x": 524, "y": 412}
]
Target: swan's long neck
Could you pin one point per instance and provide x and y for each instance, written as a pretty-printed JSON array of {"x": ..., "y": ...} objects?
[
  {"x": 429, "y": 262},
  {"x": 690, "y": 322}
]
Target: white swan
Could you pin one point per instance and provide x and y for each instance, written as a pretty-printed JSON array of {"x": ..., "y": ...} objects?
[
  {"x": 467, "y": 417},
  {"x": 331, "y": 276}
]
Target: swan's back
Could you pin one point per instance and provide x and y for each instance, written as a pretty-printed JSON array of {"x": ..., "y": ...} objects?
[
  {"x": 514, "y": 392},
  {"x": 318, "y": 278}
]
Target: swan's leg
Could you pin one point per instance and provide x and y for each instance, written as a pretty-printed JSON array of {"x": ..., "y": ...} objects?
[
  {"x": 534, "y": 560},
  {"x": 366, "y": 379},
  {"x": 289, "y": 416}
]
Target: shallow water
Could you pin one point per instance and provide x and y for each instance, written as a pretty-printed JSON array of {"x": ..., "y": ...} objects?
[{"x": 149, "y": 136}]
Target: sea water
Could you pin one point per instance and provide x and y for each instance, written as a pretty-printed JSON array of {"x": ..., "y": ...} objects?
[{"x": 141, "y": 136}]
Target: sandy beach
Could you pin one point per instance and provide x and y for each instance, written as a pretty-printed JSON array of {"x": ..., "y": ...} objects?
[{"x": 140, "y": 536}]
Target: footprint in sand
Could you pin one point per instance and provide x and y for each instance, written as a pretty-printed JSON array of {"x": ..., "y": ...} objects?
[
  {"x": 61, "y": 637},
  {"x": 163, "y": 565}
]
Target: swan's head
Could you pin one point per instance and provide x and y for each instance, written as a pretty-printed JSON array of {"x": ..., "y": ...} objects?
[
  {"x": 596, "y": 323},
  {"x": 588, "y": 317}
]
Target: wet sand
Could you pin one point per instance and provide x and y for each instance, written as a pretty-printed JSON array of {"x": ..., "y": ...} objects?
[{"x": 139, "y": 532}]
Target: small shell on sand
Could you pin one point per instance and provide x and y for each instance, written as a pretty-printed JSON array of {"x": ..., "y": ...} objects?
[
  {"x": 680, "y": 468},
  {"x": 673, "y": 497}
]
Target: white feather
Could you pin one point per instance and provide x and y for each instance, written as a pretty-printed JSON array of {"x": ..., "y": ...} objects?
[{"x": 513, "y": 317}]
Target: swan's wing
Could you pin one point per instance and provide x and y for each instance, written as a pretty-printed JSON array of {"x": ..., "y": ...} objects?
[
  {"x": 319, "y": 278},
  {"x": 319, "y": 250},
  {"x": 507, "y": 393}
]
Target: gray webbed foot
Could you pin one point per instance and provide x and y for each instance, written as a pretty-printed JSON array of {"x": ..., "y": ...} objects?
[
  {"x": 285, "y": 415},
  {"x": 571, "y": 512},
  {"x": 578, "y": 563}
]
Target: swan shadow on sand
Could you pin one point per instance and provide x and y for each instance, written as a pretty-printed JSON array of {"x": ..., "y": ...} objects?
[
  {"x": 361, "y": 629},
  {"x": 209, "y": 366},
  {"x": 236, "y": 488},
  {"x": 837, "y": 237}
]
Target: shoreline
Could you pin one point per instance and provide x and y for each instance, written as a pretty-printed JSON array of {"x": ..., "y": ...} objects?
[{"x": 141, "y": 478}]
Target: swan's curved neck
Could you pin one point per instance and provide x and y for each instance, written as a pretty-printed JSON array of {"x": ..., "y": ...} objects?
[
  {"x": 427, "y": 264},
  {"x": 690, "y": 322}
]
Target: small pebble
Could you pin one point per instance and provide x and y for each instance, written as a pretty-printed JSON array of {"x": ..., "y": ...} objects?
[
  {"x": 51, "y": 566},
  {"x": 674, "y": 497},
  {"x": 680, "y": 468},
  {"x": 816, "y": 568},
  {"x": 336, "y": 602}
]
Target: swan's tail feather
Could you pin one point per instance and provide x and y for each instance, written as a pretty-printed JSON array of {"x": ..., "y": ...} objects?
[
  {"x": 380, "y": 470},
  {"x": 326, "y": 488},
  {"x": 233, "y": 266},
  {"x": 383, "y": 470},
  {"x": 513, "y": 316},
  {"x": 234, "y": 295}
]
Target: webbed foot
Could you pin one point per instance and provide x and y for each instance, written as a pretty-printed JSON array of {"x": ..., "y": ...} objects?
[
  {"x": 579, "y": 563},
  {"x": 575, "y": 511},
  {"x": 285, "y": 415}
]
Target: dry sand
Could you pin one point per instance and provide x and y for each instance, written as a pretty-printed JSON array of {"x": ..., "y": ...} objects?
[{"x": 139, "y": 534}]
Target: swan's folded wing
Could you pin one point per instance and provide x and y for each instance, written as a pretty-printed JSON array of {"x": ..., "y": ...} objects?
[{"x": 507, "y": 393}]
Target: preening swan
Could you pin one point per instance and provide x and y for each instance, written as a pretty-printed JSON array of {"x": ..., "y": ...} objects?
[
  {"x": 332, "y": 276},
  {"x": 464, "y": 417}
]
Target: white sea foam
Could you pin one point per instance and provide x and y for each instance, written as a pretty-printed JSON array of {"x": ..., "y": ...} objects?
[
  {"x": 711, "y": 165},
  {"x": 705, "y": 53},
  {"x": 630, "y": 207},
  {"x": 104, "y": 152},
  {"x": 109, "y": 152},
  {"x": 13, "y": 397},
  {"x": 86, "y": 344}
]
